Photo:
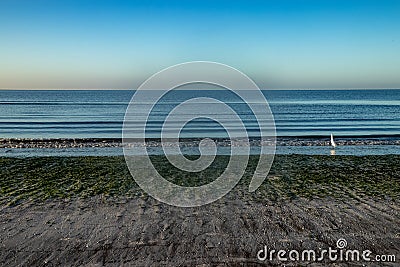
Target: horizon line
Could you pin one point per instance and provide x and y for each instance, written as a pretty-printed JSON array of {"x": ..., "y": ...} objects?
[{"x": 127, "y": 89}]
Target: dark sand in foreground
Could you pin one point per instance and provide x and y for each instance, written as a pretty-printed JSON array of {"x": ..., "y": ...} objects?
[{"x": 88, "y": 211}]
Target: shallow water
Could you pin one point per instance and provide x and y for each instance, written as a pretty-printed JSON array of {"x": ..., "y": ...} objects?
[{"x": 358, "y": 150}]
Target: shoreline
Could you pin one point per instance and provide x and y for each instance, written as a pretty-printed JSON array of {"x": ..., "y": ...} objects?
[{"x": 194, "y": 142}]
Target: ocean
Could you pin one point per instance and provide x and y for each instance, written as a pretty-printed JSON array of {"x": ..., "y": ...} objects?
[{"x": 100, "y": 113}]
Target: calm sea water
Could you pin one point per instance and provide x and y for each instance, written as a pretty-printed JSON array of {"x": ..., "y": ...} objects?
[{"x": 99, "y": 114}]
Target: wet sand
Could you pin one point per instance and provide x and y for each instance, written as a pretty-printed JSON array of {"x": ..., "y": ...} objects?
[
  {"x": 143, "y": 232},
  {"x": 88, "y": 211}
]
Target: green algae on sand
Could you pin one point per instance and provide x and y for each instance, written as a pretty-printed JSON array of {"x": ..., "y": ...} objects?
[{"x": 291, "y": 176}]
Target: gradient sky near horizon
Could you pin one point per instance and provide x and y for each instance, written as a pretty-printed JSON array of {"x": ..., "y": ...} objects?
[{"x": 279, "y": 44}]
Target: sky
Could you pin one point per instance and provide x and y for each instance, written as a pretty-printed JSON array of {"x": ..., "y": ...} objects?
[{"x": 96, "y": 44}]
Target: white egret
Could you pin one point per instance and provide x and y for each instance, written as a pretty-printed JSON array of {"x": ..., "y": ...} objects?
[{"x": 333, "y": 144}]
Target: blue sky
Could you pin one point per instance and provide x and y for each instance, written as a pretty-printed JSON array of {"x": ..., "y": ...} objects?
[{"x": 279, "y": 44}]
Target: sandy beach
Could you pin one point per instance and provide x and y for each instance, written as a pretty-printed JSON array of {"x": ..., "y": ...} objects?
[{"x": 88, "y": 211}]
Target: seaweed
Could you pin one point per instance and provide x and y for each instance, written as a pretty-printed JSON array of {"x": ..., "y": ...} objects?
[{"x": 291, "y": 176}]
